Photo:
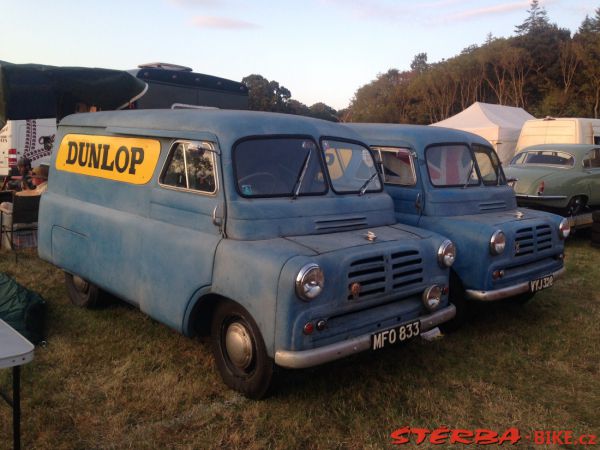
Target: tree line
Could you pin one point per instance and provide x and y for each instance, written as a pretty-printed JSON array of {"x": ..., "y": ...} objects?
[{"x": 542, "y": 68}]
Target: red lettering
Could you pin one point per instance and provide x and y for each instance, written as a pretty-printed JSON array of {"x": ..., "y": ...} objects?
[
  {"x": 421, "y": 434},
  {"x": 512, "y": 435},
  {"x": 485, "y": 437},
  {"x": 398, "y": 436},
  {"x": 439, "y": 436},
  {"x": 461, "y": 437},
  {"x": 538, "y": 437}
]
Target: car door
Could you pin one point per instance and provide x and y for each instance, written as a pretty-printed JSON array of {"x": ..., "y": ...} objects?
[{"x": 591, "y": 167}]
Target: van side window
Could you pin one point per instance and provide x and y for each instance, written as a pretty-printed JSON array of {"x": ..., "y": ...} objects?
[
  {"x": 190, "y": 166},
  {"x": 398, "y": 166}
]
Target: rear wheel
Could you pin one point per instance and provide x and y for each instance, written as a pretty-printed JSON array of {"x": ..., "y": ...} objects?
[
  {"x": 239, "y": 351},
  {"x": 81, "y": 292}
]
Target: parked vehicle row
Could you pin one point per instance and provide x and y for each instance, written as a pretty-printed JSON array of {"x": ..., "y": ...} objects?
[{"x": 291, "y": 241}]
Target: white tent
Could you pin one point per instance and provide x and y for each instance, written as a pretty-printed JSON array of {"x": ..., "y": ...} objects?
[{"x": 498, "y": 124}]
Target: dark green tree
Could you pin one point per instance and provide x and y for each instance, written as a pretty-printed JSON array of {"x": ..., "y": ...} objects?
[
  {"x": 265, "y": 95},
  {"x": 536, "y": 20}
]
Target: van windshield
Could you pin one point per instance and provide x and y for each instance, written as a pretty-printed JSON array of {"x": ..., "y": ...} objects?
[
  {"x": 278, "y": 167},
  {"x": 544, "y": 157},
  {"x": 453, "y": 165},
  {"x": 351, "y": 167}
]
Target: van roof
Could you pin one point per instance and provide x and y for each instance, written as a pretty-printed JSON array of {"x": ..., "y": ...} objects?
[
  {"x": 228, "y": 125},
  {"x": 416, "y": 136}
]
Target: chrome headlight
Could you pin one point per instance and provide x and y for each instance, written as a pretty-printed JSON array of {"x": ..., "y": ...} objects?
[
  {"x": 446, "y": 253},
  {"x": 564, "y": 229},
  {"x": 309, "y": 282},
  {"x": 432, "y": 297},
  {"x": 497, "y": 242}
]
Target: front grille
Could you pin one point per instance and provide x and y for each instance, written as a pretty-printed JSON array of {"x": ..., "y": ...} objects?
[
  {"x": 385, "y": 273},
  {"x": 532, "y": 239}
]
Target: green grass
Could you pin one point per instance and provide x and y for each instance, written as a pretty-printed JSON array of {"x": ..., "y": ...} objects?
[{"x": 113, "y": 378}]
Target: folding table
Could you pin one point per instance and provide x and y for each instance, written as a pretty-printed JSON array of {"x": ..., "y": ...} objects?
[{"x": 15, "y": 351}]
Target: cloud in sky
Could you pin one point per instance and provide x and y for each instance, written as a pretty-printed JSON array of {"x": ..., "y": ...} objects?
[
  {"x": 223, "y": 23},
  {"x": 487, "y": 11},
  {"x": 210, "y": 3},
  {"x": 436, "y": 11}
]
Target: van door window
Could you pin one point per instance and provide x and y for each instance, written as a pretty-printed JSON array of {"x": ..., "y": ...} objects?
[
  {"x": 190, "y": 166},
  {"x": 398, "y": 166}
]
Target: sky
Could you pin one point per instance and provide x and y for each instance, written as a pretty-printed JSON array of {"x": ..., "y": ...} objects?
[{"x": 321, "y": 50}]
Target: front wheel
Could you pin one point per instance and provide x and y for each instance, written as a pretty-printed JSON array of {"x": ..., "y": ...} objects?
[
  {"x": 82, "y": 292},
  {"x": 576, "y": 206},
  {"x": 239, "y": 351}
]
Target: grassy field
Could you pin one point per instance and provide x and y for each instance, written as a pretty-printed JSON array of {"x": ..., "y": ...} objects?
[{"x": 113, "y": 378}]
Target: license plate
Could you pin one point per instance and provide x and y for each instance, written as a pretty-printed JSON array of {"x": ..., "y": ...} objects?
[
  {"x": 395, "y": 335},
  {"x": 541, "y": 283}
]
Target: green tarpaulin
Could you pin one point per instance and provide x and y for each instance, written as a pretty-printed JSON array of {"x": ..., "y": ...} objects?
[{"x": 22, "y": 309}]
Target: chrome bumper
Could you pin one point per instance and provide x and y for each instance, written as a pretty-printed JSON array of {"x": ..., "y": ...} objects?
[
  {"x": 321, "y": 355},
  {"x": 541, "y": 197},
  {"x": 511, "y": 291}
]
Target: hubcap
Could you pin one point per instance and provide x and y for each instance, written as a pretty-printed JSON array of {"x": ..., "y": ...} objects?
[{"x": 238, "y": 344}]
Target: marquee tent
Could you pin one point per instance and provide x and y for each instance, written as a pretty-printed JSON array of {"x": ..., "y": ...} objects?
[{"x": 498, "y": 124}]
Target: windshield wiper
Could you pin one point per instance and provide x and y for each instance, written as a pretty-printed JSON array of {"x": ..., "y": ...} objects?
[
  {"x": 363, "y": 188},
  {"x": 469, "y": 174},
  {"x": 300, "y": 178}
]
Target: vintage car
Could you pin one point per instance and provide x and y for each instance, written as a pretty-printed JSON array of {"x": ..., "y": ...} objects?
[
  {"x": 558, "y": 177},
  {"x": 270, "y": 232},
  {"x": 451, "y": 182}
]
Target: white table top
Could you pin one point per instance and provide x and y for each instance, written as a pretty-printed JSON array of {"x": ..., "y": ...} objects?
[{"x": 15, "y": 350}]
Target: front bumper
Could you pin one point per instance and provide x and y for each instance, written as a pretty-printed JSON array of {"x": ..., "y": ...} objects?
[
  {"x": 540, "y": 197},
  {"x": 314, "y": 357},
  {"x": 511, "y": 291}
]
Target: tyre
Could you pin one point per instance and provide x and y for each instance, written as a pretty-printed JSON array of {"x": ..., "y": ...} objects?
[
  {"x": 596, "y": 237},
  {"x": 82, "y": 292},
  {"x": 596, "y": 216},
  {"x": 576, "y": 205},
  {"x": 239, "y": 351},
  {"x": 459, "y": 300},
  {"x": 596, "y": 227}
]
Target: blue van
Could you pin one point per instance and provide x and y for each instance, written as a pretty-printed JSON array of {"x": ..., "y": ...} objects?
[
  {"x": 451, "y": 182},
  {"x": 269, "y": 232}
]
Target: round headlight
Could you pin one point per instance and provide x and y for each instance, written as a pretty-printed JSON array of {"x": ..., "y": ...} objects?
[
  {"x": 564, "y": 229},
  {"x": 446, "y": 253},
  {"x": 309, "y": 282},
  {"x": 497, "y": 243},
  {"x": 432, "y": 297}
]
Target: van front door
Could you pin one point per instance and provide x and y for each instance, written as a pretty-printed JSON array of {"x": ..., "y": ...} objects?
[
  {"x": 182, "y": 235},
  {"x": 400, "y": 177}
]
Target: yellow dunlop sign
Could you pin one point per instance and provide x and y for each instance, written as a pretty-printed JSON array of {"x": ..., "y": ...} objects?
[{"x": 130, "y": 160}]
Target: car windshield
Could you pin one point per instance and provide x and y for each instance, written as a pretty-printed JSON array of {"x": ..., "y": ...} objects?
[
  {"x": 351, "y": 167},
  {"x": 452, "y": 165},
  {"x": 278, "y": 167},
  {"x": 544, "y": 157}
]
